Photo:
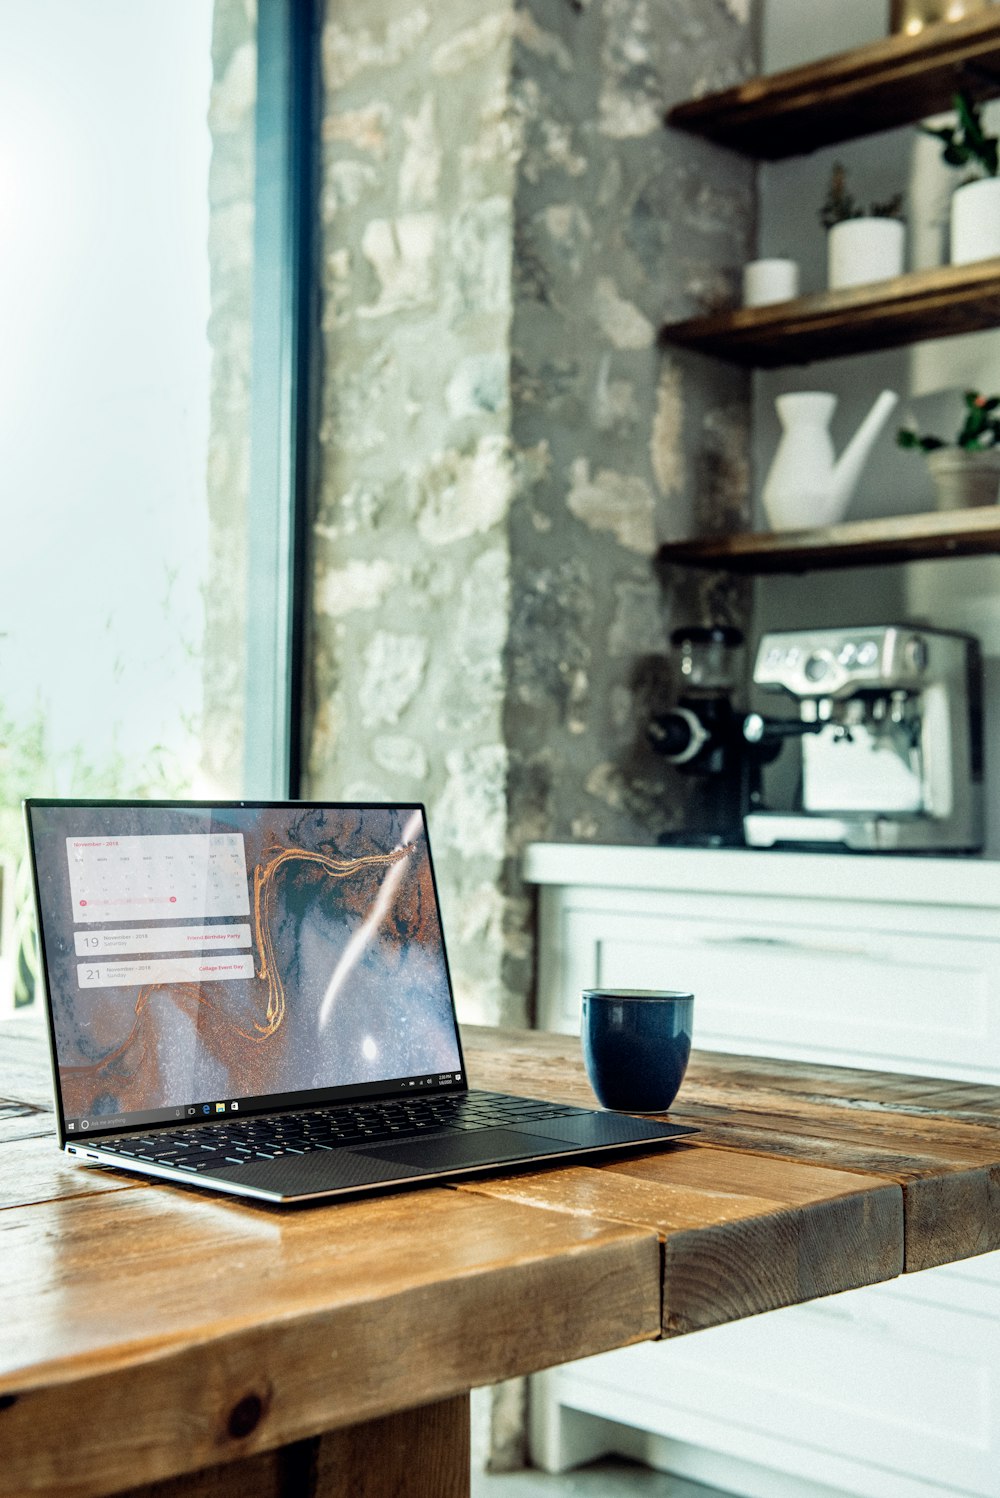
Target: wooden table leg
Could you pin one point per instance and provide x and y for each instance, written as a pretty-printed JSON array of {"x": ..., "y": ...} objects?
[
  {"x": 407, "y": 1455},
  {"x": 411, "y": 1454}
]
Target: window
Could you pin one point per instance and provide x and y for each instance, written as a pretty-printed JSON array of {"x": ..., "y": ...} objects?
[{"x": 150, "y": 213}]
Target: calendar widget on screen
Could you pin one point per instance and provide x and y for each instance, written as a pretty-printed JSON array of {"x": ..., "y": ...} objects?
[{"x": 157, "y": 877}]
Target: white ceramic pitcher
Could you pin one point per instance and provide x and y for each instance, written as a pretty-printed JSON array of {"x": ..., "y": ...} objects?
[{"x": 807, "y": 485}]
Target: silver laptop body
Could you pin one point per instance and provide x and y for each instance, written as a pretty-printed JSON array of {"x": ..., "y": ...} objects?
[{"x": 254, "y": 997}]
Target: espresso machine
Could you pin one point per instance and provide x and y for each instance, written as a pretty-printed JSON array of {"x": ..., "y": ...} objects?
[{"x": 890, "y": 728}]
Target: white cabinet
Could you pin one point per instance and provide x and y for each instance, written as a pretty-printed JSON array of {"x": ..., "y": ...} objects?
[{"x": 889, "y": 1391}]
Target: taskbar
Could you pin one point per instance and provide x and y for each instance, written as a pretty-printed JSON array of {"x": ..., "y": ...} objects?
[{"x": 201, "y": 1111}]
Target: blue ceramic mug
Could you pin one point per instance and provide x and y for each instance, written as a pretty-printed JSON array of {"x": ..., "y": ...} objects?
[{"x": 636, "y": 1044}]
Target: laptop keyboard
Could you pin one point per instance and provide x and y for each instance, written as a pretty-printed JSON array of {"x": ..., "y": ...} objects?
[{"x": 239, "y": 1140}]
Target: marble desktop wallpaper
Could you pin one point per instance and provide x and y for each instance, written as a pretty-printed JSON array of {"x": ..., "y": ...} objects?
[{"x": 349, "y": 977}]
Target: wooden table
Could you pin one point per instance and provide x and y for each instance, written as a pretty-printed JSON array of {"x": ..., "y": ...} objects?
[{"x": 162, "y": 1341}]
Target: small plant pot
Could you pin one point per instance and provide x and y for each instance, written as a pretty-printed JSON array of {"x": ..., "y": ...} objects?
[
  {"x": 964, "y": 479},
  {"x": 767, "y": 281},
  {"x": 860, "y": 250},
  {"x": 975, "y": 221}
]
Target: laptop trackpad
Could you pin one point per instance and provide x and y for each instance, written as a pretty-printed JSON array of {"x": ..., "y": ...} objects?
[
  {"x": 481, "y": 1147},
  {"x": 592, "y": 1130}
]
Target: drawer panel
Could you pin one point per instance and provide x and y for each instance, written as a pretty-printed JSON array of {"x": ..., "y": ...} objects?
[
  {"x": 890, "y": 1391},
  {"x": 858, "y": 1375},
  {"x": 905, "y": 1002}
]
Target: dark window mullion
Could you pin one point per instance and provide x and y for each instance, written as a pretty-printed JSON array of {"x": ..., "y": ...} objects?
[{"x": 280, "y": 392}]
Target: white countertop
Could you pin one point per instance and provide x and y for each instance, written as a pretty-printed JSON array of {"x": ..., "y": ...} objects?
[{"x": 963, "y": 880}]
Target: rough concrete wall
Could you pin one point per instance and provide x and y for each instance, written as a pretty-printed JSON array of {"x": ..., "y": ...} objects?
[
  {"x": 411, "y": 563},
  {"x": 505, "y": 223},
  {"x": 620, "y": 225},
  {"x": 231, "y": 194}
]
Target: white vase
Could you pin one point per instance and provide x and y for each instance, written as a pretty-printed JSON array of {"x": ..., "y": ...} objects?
[
  {"x": 964, "y": 479},
  {"x": 860, "y": 250},
  {"x": 975, "y": 221}
]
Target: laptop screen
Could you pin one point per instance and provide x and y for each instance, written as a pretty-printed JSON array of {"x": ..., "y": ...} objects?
[{"x": 241, "y": 957}]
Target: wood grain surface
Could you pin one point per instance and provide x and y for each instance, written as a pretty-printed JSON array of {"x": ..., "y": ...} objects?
[
  {"x": 185, "y": 1309},
  {"x": 938, "y": 1140},
  {"x": 893, "y": 538},
  {"x": 895, "y": 80},
  {"x": 160, "y": 1335},
  {"x": 938, "y": 303},
  {"x": 421, "y": 1453},
  {"x": 24, "y": 1062}
]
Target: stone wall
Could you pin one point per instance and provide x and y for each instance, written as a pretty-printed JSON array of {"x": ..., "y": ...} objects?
[{"x": 505, "y": 222}]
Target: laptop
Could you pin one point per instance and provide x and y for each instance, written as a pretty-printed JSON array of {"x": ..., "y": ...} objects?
[{"x": 254, "y": 998}]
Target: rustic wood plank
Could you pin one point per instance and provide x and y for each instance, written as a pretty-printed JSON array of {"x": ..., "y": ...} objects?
[
  {"x": 21, "y": 1121},
  {"x": 855, "y": 543},
  {"x": 535, "y": 1063},
  {"x": 540, "y": 1064},
  {"x": 742, "y": 1234},
  {"x": 875, "y": 1124},
  {"x": 878, "y": 1113},
  {"x": 941, "y": 1101},
  {"x": 34, "y": 1169},
  {"x": 412, "y": 1454},
  {"x": 224, "y": 1330},
  {"x": 230, "y": 1331},
  {"x": 409, "y": 1455},
  {"x": 938, "y": 303},
  {"x": 24, "y": 1062},
  {"x": 890, "y": 82},
  {"x": 950, "y": 1175},
  {"x": 289, "y": 1470},
  {"x": 821, "y": 1081}
]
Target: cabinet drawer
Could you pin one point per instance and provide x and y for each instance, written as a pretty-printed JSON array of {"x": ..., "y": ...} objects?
[
  {"x": 899, "y": 1001},
  {"x": 891, "y": 1391},
  {"x": 859, "y": 1379}
]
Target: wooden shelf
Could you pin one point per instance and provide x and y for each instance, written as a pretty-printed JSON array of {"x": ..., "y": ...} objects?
[
  {"x": 891, "y": 82},
  {"x": 859, "y": 543},
  {"x": 895, "y": 81},
  {"x": 934, "y": 303}
]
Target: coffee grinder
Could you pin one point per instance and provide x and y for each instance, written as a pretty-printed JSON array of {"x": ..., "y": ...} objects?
[{"x": 702, "y": 735}]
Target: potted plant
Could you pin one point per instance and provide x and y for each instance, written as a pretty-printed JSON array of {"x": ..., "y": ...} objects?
[
  {"x": 975, "y": 203},
  {"x": 862, "y": 245},
  {"x": 965, "y": 472}
]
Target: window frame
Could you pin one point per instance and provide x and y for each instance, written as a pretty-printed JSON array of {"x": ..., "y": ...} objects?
[{"x": 283, "y": 311}]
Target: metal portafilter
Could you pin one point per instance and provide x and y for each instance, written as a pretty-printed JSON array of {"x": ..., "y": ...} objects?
[{"x": 765, "y": 731}]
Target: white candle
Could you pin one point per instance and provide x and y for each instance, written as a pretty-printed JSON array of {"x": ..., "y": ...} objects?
[{"x": 767, "y": 281}]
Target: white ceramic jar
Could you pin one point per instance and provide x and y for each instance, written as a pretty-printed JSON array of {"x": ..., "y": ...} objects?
[
  {"x": 767, "y": 281},
  {"x": 860, "y": 250},
  {"x": 975, "y": 221}
]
